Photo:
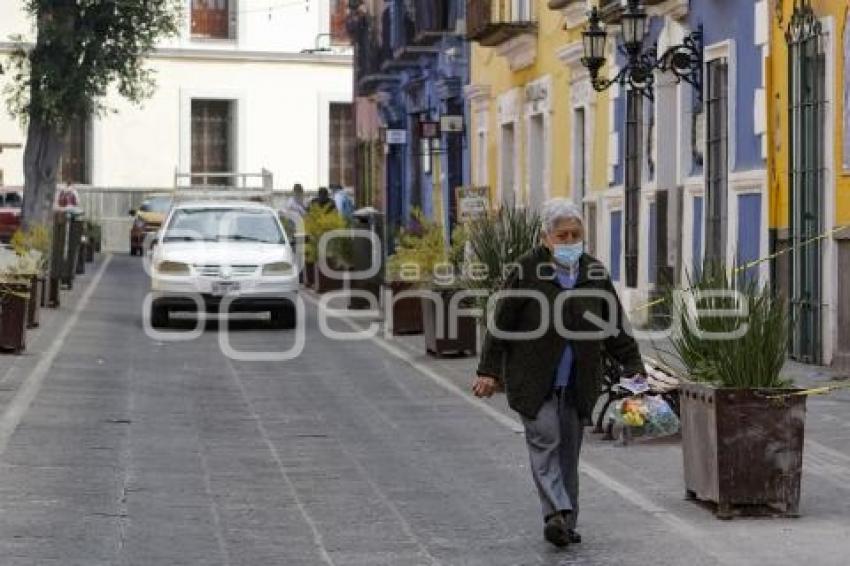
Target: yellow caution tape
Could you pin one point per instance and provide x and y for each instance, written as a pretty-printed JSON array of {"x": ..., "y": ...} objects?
[
  {"x": 813, "y": 391},
  {"x": 753, "y": 263}
]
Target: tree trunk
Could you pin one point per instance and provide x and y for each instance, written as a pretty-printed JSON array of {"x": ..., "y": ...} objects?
[{"x": 41, "y": 164}]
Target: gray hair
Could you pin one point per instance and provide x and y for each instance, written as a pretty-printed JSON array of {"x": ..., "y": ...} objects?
[{"x": 557, "y": 209}]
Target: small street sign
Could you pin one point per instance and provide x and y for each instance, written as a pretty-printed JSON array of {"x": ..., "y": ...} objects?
[
  {"x": 396, "y": 137},
  {"x": 472, "y": 202},
  {"x": 429, "y": 130},
  {"x": 451, "y": 124}
]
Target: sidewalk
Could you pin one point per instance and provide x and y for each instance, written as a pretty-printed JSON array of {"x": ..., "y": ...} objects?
[
  {"x": 15, "y": 368},
  {"x": 648, "y": 474}
]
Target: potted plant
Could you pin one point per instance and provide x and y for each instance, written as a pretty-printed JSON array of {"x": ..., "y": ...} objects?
[
  {"x": 742, "y": 424},
  {"x": 422, "y": 261},
  {"x": 495, "y": 243},
  {"x": 317, "y": 222},
  {"x": 31, "y": 247},
  {"x": 14, "y": 298}
]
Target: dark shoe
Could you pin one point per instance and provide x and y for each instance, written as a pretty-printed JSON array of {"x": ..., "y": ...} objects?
[
  {"x": 573, "y": 536},
  {"x": 555, "y": 530}
]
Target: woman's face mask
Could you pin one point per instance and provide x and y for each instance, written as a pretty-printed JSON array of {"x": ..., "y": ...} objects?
[
  {"x": 566, "y": 241},
  {"x": 568, "y": 254}
]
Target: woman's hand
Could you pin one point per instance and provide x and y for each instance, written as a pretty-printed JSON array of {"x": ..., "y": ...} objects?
[{"x": 484, "y": 386}]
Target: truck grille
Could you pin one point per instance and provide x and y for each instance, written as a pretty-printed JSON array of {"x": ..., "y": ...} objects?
[{"x": 234, "y": 270}]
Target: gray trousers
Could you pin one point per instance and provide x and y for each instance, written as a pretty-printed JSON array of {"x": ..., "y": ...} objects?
[{"x": 554, "y": 442}]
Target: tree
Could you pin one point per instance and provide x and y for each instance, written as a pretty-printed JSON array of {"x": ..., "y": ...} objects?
[{"x": 83, "y": 49}]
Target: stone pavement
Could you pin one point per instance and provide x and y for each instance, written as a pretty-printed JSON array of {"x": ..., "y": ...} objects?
[{"x": 143, "y": 451}]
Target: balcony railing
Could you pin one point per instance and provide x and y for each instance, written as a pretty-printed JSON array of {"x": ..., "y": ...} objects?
[
  {"x": 370, "y": 57},
  {"x": 612, "y": 10},
  {"x": 493, "y": 22},
  {"x": 433, "y": 20}
]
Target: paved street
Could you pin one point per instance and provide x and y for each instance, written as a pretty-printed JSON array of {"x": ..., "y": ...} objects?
[{"x": 116, "y": 449}]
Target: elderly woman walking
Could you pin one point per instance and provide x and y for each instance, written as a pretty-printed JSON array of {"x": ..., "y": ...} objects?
[{"x": 553, "y": 379}]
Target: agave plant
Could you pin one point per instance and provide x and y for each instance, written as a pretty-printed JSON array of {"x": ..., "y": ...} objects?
[
  {"x": 743, "y": 349},
  {"x": 496, "y": 242}
]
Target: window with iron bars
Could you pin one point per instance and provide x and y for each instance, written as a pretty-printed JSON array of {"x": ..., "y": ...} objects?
[
  {"x": 634, "y": 127},
  {"x": 717, "y": 159}
]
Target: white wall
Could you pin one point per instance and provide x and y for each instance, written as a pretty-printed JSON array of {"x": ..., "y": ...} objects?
[
  {"x": 288, "y": 26},
  {"x": 281, "y": 100},
  {"x": 281, "y": 123}
]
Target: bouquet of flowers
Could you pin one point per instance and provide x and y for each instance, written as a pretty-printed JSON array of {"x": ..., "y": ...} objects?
[{"x": 651, "y": 415}]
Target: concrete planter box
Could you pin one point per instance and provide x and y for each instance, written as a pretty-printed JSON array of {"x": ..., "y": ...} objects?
[{"x": 742, "y": 451}]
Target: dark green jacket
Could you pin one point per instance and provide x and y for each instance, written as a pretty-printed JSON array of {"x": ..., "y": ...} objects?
[{"x": 526, "y": 367}]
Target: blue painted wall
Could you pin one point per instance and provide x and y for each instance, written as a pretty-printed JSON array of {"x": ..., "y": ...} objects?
[
  {"x": 616, "y": 244},
  {"x": 722, "y": 20},
  {"x": 749, "y": 233},
  {"x": 652, "y": 264},
  {"x": 696, "y": 239}
]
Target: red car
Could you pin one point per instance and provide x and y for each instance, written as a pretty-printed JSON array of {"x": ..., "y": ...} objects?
[{"x": 10, "y": 213}]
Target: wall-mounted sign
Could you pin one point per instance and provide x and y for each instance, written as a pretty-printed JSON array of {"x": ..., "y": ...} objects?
[
  {"x": 396, "y": 137},
  {"x": 429, "y": 130},
  {"x": 451, "y": 124},
  {"x": 472, "y": 202}
]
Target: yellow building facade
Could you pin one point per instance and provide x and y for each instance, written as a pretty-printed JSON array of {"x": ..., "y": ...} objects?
[
  {"x": 809, "y": 172},
  {"x": 537, "y": 128}
]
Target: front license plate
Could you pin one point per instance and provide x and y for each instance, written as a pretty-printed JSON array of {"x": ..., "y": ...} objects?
[{"x": 221, "y": 288}]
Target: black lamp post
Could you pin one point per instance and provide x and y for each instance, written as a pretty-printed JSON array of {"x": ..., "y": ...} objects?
[{"x": 684, "y": 60}]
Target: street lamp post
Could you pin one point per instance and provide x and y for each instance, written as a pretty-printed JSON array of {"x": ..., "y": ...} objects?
[{"x": 684, "y": 60}]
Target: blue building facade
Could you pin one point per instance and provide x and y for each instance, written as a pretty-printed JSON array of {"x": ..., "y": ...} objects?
[
  {"x": 414, "y": 70},
  {"x": 687, "y": 170}
]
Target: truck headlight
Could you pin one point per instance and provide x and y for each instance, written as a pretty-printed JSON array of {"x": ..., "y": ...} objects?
[
  {"x": 173, "y": 268},
  {"x": 277, "y": 268}
]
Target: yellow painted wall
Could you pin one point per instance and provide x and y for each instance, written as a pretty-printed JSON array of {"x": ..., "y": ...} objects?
[
  {"x": 778, "y": 126},
  {"x": 490, "y": 69}
]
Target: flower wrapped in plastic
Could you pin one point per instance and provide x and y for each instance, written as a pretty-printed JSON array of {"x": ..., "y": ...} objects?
[{"x": 647, "y": 415}]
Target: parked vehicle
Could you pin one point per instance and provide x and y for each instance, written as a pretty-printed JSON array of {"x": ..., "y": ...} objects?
[
  {"x": 10, "y": 213},
  {"x": 210, "y": 250},
  {"x": 147, "y": 220}
]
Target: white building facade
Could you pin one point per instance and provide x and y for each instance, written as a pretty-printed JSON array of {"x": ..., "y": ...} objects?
[{"x": 249, "y": 85}]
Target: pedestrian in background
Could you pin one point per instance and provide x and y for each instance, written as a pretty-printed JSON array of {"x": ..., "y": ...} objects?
[
  {"x": 343, "y": 201},
  {"x": 554, "y": 382},
  {"x": 295, "y": 204},
  {"x": 323, "y": 200}
]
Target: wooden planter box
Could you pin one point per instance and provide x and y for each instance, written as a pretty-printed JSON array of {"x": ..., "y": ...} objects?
[
  {"x": 438, "y": 338},
  {"x": 34, "y": 302},
  {"x": 308, "y": 274},
  {"x": 406, "y": 312},
  {"x": 89, "y": 254},
  {"x": 323, "y": 284},
  {"x": 54, "y": 297},
  {"x": 13, "y": 317},
  {"x": 80, "y": 268},
  {"x": 742, "y": 451}
]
